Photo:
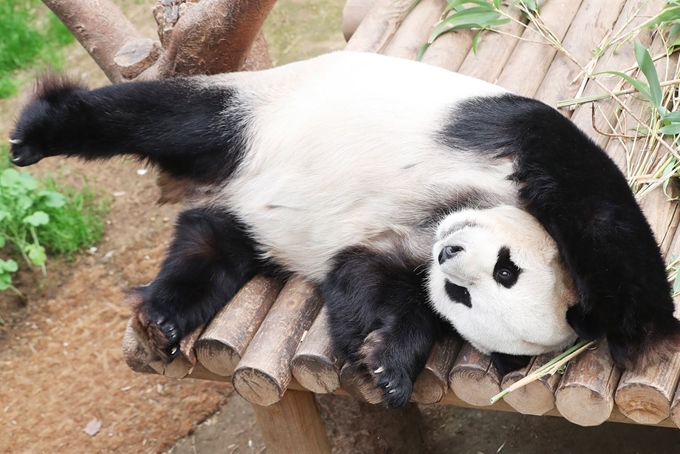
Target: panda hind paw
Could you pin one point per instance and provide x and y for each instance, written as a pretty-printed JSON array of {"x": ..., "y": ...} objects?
[
  {"x": 162, "y": 333},
  {"x": 387, "y": 371}
]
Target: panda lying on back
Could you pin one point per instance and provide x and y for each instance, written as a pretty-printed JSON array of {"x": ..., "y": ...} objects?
[{"x": 397, "y": 187}]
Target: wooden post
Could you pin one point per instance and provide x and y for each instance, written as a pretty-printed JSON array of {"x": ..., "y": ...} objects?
[
  {"x": 359, "y": 384},
  {"x": 536, "y": 398},
  {"x": 433, "y": 382},
  {"x": 379, "y": 26},
  {"x": 515, "y": 77},
  {"x": 493, "y": 51},
  {"x": 292, "y": 425},
  {"x": 226, "y": 338},
  {"x": 646, "y": 396},
  {"x": 415, "y": 29},
  {"x": 263, "y": 374},
  {"x": 473, "y": 377},
  {"x": 594, "y": 20},
  {"x": 585, "y": 395},
  {"x": 314, "y": 365}
]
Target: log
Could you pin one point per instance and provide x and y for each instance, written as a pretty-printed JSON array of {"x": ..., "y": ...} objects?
[
  {"x": 523, "y": 80},
  {"x": 263, "y": 374},
  {"x": 538, "y": 397},
  {"x": 619, "y": 59},
  {"x": 314, "y": 365},
  {"x": 293, "y": 425},
  {"x": 449, "y": 50},
  {"x": 136, "y": 56},
  {"x": 379, "y": 26},
  {"x": 585, "y": 395},
  {"x": 415, "y": 29},
  {"x": 100, "y": 27},
  {"x": 354, "y": 12},
  {"x": 594, "y": 20},
  {"x": 675, "y": 408},
  {"x": 646, "y": 396},
  {"x": 226, "y": 338},
  {"x": 357, "y": 382},
  {"x": 433, "y": 382},
  {"x": 473, "y": 377}
]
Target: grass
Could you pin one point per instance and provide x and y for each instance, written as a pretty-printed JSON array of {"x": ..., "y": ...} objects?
[
  {"x": 31, "y": 36},
  {"x": 76, "y": 225}
]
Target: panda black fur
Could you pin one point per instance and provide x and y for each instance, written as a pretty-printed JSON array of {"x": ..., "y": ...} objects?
[{"x": 342, "y": 168}]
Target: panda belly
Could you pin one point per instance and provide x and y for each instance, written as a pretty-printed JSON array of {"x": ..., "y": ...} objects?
[{"x": 388, "y": 199}]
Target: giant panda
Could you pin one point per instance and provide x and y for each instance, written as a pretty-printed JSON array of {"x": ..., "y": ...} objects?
[{"x": 399, "y": 188}]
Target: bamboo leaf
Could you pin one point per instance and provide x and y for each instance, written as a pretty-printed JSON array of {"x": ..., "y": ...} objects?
[
  {"x": 646, "y": 64},
  {"x": 640, "y": 86},
  {"x": 475, "y": 41},
  {"x": 673, "y": 117},
  {"x": 670, "y": 130},
  {"x": 667, "y": 15}
]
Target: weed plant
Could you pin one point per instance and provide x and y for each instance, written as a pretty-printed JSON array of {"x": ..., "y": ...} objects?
[{"x": 29, "y": 35}]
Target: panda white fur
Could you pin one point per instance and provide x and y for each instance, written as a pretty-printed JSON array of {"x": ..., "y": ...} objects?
[{"x": 379, "y": 178}]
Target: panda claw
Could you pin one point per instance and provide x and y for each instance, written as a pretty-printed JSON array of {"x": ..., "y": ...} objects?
[{"x": 379, "y": 370}]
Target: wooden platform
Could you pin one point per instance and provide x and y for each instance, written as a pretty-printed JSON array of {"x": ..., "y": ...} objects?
[{"x": 272, "y": 337}]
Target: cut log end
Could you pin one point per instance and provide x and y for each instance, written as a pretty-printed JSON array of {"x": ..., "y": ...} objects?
[
  {"x": 316, "y": 373},
  {"x": 136, "y": 56},
  {"x": 359, "y": 385},
  {"x": 217, "y": 357},
  {"x": 257, "y": 387},
  {"x": 428, "y": 388},
  {"x": 583, "y": 406},
  {"x": 643, "y": 404},
  {"x": 475, "y": 386},
  {"x": 536, "y": 398}
]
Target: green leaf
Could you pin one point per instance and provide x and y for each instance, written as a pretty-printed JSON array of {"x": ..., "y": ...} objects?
[
  {"x": 475, "y": 41},
  {"x": 673, "y": 117},
  {"x": 8, "y": 265},
  {"x": 640, "y": 86},
  {"x": 422, "y": 51},
  {"x": 37, "y": 218},
  {"x": 36, "y": 253},
  {"x": 666, "y": 15},
  {"x": 4, "y": 215},
  {"x": 5, "y": 281},
  {"x": 52, "y": 199},
  {"x": 9, "y": 177},
  {"x": 646, "y": 64},
  {"x": 470, "y": 18},
  {"x": 670, "y": 130},
  {"x": 497, "y": 4}
]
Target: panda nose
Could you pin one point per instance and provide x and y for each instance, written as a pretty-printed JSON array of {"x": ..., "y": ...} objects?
[{"x": 448, "y": 252}]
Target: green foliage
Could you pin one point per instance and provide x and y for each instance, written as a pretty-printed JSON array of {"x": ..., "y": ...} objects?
[
  {"x": 651, "y": 90},
  {"x": 38, "y": 218},
  {"x": 475, "y": 15},
  {"x": 30, "y": 34}
]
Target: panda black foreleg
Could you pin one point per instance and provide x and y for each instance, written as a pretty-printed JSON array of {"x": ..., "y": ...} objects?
[
  {"x": 380, "y": 318},
  {"x": 180, "y": 125},
  {"x": 210, "y": 258}
]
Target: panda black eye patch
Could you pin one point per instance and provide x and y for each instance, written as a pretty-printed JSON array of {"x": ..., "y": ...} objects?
[
  {"x": 506, "y": 272},
  {"x": 458, "y": 294}
]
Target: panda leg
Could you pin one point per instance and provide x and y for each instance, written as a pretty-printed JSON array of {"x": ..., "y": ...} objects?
[
  {"x": 210, "y": 258},
  {"x": 380, "y": 318}
]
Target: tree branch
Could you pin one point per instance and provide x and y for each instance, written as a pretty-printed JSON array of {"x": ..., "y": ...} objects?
[{"x": 100, "y": 27}]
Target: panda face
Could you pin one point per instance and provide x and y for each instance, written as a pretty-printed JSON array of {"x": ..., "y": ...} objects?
[{"x": 496, "y": 276}]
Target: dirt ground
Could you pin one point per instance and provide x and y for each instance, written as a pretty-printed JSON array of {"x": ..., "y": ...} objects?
[{"x": 61, "y": 365}]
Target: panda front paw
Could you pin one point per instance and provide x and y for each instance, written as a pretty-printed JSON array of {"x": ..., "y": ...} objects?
[{"x": 387, "y": 370}]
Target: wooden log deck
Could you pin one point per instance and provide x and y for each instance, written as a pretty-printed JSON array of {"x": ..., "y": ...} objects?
[{"x": 272, "y": 340}]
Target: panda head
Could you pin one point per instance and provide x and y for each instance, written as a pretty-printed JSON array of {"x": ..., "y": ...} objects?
[{"x": 497, "y": 277}]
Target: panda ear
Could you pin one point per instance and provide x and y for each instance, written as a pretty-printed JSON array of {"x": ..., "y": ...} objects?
[{"x": 587, "y": 325}]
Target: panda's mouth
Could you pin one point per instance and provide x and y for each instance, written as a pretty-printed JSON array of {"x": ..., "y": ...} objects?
[{"x": 458, "y": 294}]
